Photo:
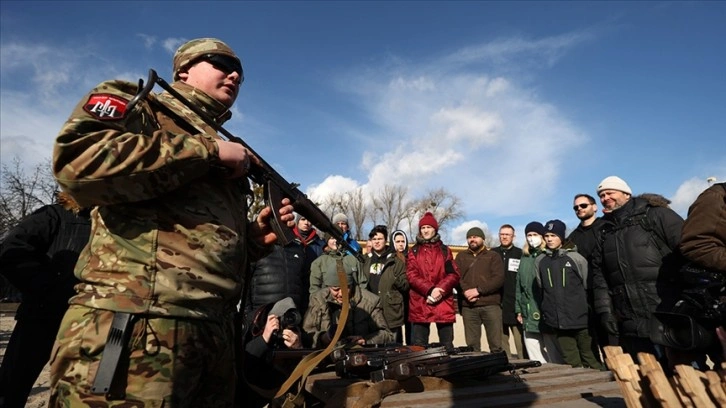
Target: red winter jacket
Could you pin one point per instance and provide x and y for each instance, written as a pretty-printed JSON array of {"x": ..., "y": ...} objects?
[{"x": 425, "y": 269}]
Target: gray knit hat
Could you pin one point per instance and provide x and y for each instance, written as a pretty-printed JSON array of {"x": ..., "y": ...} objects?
[{"x": 340, "y": 217}]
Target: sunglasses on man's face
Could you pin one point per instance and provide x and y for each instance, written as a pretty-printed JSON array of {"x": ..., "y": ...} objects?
[
  {"x": 225, "y": 64},
  {"x": 581, "y": 206}
]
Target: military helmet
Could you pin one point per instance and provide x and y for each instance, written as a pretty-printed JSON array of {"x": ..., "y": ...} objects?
[{"x": 191, "y": 51}]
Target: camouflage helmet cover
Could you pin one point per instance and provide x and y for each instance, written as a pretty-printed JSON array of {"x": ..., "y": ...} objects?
[{"x": 191, "y": 50}]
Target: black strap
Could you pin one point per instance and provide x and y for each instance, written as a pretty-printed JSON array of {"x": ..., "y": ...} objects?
[{"x": 107, "y": 381}]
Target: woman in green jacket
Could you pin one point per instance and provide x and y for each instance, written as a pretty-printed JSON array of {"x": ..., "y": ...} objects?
[{"x": 540, "y": 344}]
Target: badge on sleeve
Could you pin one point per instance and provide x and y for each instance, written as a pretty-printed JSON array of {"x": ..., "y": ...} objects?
[{"x": 106, "y": 106}]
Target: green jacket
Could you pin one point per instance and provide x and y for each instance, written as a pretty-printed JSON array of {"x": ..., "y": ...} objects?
[
  {"x": 528, "y": 296},
  {"x": 365, "y": 318},
  {"x": 391, "y": 288},
  {"x": 329, "y": 261}
]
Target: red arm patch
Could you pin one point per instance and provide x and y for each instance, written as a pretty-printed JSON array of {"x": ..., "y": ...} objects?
[{"x": 106, "y": 106}]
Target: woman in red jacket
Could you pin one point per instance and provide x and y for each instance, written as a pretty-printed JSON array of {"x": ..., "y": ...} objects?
[{"x": 432, "y": 273}]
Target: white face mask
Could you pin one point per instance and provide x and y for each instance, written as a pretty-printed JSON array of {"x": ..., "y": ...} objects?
[{"x": 534, "y": 241}]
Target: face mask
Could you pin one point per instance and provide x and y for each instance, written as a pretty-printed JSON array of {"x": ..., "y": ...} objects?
[{"x": 534, "y": 241}]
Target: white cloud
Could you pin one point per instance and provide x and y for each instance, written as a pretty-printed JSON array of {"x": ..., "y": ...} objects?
[
  {"x": 331, "y": 184},
  {"x": 688, "y": 191},
  {"x": 457, "y": 235},
  {"x": 171, "y": 44},
  {"x": 149, "y": 40}
]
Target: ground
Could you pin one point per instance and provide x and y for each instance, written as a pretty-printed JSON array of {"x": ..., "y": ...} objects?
[{"x": 41, "y": 391}]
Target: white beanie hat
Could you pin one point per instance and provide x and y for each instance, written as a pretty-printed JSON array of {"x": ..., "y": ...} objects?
[{"x": 614, "y": 183}]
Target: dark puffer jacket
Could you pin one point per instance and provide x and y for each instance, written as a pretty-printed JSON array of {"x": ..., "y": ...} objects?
[
  {"x": 39, "y": 254},
  {"x": 562, "y": 278},
  {"x": 279, "y": 275},
  {"x": 634, "y": 271}
]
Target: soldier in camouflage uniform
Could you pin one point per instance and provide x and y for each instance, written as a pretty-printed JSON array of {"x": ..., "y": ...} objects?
[{"x": 170, "y": 237}]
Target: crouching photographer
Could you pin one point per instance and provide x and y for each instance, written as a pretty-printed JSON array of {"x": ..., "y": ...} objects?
[
  {"x": 695, "y": 326},
  {"x": 275, "y": 326}
]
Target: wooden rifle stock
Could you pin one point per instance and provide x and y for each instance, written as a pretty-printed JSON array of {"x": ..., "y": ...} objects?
[{"x": 275, "y": 186}]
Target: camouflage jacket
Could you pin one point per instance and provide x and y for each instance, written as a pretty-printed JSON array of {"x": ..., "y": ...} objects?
[{"x": 168, "y": 229}]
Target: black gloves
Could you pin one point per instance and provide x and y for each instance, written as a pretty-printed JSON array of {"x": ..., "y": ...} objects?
[{"x": 609, "y": 324}]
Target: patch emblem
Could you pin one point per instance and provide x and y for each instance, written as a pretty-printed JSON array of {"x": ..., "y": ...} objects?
[{"x": 106, "y": 106}]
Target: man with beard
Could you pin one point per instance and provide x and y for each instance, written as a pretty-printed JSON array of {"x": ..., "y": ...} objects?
[
  {"x": 482, "y": 278},
  {"x": 585, "y": 237},
  {"x": 387, "y": 279},
  {"x": 635, "y": 268},
  {"x": 365, "y": 324}
]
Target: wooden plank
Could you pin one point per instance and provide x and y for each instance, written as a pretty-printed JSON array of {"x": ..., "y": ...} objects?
[
  {"x": 601, "y": 394},
  {"x": 715, "y": 387},
  {"x": 659, "y": 386},
  {"x": 693, "y": 386},
  {"x": 626, "y": 374}
]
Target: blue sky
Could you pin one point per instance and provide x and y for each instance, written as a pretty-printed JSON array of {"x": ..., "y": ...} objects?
[{"x": 512, "y": 106}]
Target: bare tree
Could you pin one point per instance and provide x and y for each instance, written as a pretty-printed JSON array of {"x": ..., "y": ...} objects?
[
  {"x": 356, "y": 207},
  {"x": 391, "y": 203},
  {"x": 22, "y": 193},
  {"x": 445, "y": 206}
]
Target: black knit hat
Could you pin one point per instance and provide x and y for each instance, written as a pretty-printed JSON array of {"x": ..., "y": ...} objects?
[
  {"x": 556, "y": 227},
  {"x": 534, "y": 226}
]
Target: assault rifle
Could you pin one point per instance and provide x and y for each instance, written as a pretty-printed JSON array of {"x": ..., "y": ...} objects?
[
  {"x": 400, "y": 363},
  {"x": 275, "y": 186}
]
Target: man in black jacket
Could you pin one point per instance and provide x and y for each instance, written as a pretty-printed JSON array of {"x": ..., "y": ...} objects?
[
  {"x": 634, "y": 270},
  {"x": 38, "y": 257},
  {"x": 586, "y": 240},
  {"x": 510, "y": 256}
]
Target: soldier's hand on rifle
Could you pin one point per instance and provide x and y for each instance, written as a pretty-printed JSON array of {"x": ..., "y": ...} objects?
[
  {"x": 236, "y": 158},
  {"x": 261, "y": 230}
]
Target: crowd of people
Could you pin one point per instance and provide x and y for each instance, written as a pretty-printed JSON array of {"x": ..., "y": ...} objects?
[{"x": 156, "y": 244}]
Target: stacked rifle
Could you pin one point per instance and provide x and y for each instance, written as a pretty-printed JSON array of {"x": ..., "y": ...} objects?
[{"x": 400, "y": 363}]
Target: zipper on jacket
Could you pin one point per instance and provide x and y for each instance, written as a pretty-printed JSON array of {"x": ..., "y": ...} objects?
[
  {"x": 549, "y": 276},
  {"x": 563, "y": 277}
]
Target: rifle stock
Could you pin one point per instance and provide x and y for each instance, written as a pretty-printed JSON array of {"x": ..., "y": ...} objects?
[{"x": 275, "y": 186}]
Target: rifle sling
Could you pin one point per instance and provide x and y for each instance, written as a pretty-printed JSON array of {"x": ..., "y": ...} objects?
[
  {"x": 108, "y": 378},
  {"x": 309, "y": 362}
]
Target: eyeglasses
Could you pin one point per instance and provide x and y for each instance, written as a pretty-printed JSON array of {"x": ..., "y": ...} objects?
[
  {"x": 225, "y": 64},
  {"x": 581, "y": 206}
]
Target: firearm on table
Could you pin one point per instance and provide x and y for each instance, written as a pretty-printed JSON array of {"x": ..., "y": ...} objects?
[{"x": 275, "y": 186}]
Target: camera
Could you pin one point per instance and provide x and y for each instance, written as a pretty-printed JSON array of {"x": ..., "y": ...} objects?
[
  {"x": 291, "y": 320},
  {"x": 701, "y": 308}
]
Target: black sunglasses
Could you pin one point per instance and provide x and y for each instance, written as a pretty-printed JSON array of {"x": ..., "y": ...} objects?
[
  {"x": 583, "y": 206},
  {"x": 225, "y": 64}
]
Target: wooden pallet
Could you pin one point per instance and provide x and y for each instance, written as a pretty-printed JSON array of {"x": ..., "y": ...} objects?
[{"x": 646, "y": 385}]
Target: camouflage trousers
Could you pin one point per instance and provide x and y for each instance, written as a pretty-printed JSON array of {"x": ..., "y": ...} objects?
[{"x": 172, "y": 362}]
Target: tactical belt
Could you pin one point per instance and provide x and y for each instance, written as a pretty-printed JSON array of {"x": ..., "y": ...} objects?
[{"x": 107, "y": 381}]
